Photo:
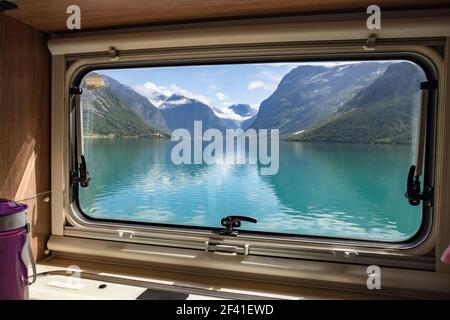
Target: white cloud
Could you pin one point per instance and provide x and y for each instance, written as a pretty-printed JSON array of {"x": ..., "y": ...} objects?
[
  {"x": 150, "y": 87},
  {"x": 221, "y": 96},
  {"x": 260, "y": 84},
  {"x": 255, "y": 85}
]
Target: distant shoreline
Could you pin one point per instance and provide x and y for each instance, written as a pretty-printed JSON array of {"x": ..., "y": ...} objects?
[
  {"x": 155, "y": 136},
  {"x": 351, "y": 142},
  {"x": 160, "y": 136}
]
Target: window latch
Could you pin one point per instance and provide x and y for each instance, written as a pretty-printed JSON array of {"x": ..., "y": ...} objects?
[
  {"x": 83, "y": 177},
  {"x": 413, "y": 189},
  {"x": 413, "y": 192},
  {"x": 232, "y": 222},
  {"x": 370, "y": 44}
]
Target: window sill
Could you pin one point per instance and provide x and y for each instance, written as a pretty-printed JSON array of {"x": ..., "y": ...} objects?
[
  {"x": 276, "y": 271},
  {"x": 199, "y": 286}
]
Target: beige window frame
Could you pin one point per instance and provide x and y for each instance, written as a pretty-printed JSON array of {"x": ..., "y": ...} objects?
[{"x": 220, "y": 44}]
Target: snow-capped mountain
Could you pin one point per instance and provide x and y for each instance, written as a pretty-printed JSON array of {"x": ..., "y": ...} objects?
[
  {"x": 175, "y": 100},
  {"x": 154, "y": 93},
  {"x": 158, "y": 95},
  {"x": 244, "y": 110},
  {"x": 157, "y": 99},
  {"x": 169, "y": 97},
  {"x": 235, "y": 115},
  {"x": 180, "y": 111}
]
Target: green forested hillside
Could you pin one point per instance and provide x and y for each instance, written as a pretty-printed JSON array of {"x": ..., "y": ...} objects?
[
  {"x": 384, "y": 112},
  {"x": 138, "y": 103},
  {"x": 309, "y": 94},
  {"x": 106, "y": 114}
]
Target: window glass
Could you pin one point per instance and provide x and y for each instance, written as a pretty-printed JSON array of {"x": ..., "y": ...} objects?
[{"x": 312, "y": 148}]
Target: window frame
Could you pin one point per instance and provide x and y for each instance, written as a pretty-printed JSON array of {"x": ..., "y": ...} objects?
[{"x": 262, "y": 243}]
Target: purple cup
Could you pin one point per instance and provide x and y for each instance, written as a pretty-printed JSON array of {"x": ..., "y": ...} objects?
[{"x": 14, "y": 252}]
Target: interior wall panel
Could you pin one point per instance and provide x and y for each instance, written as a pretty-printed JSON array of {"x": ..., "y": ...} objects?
[{"x": 25, "y": 124}]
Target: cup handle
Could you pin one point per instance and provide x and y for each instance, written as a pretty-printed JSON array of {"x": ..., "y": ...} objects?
[{"x": 26, "y": 256}]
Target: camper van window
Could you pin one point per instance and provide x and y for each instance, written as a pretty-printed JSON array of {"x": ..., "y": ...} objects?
[{"x": 304, "y": 148}]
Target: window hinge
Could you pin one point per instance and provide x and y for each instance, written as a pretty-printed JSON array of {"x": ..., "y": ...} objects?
[
  {"x": 225, "y": 249},
  {"x": 75, "y": 90},
  {"x": 113, "y": 54},
  {"x": 370, "y": 44}
]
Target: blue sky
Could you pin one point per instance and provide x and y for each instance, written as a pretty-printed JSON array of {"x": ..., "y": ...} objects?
[{"x": 217, "y": 85}]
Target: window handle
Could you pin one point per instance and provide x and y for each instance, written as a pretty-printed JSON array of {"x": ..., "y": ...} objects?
[
  {"x": 413, "y": 189},
  {"x": 232, "y": 222},
  {"x": 83, "y": 178}
]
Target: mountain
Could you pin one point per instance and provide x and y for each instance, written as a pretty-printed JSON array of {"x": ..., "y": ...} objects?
[
  {"x": 154, "y": 93},
  {"x": 244, "y": 110},
  {"x": 230, "y": 118},
  {"x": 309, "y": 93},
  {"x": 230, "y": 123},
  {"x": 248, "y": 123},
  {"x": 105, "y": 113},
  {"x": 138, "y": 103},
  {"x": 181, "y": 112},
  {"x": 384, "y": 112},
  {"x": 157, "y": 98}
]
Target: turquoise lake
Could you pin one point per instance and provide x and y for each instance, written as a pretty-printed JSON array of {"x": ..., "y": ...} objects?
[{"x": 331, "y": 190}]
